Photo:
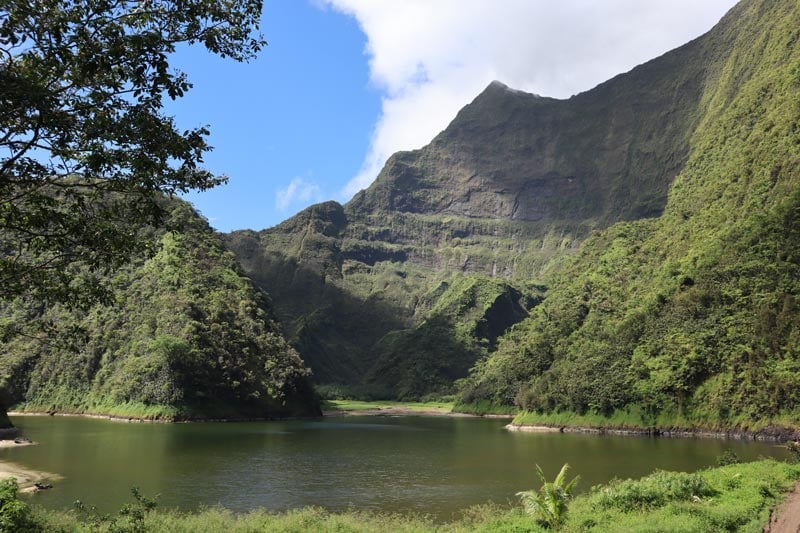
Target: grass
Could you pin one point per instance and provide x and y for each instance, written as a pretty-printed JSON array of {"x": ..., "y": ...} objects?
[
  {"x": 137, "y": 410},
  {"x": 122, "y": 410},
  {"x": 730, "y": 498},
  {"x": 618, "y": 419},
  {"x": 736, "y": 497},
  {"x": 485, "y": 407},
  {"x": 634, "y": 418},
  {"x": 358, "y": 405}
]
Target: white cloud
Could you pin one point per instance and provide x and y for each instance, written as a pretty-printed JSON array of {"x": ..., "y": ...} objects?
[
  {"x": 299, "y": 191},
  {"x": 430, "y": 58}
]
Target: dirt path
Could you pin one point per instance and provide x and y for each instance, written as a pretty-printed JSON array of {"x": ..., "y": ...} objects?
[{"x": 786, "y": 517}]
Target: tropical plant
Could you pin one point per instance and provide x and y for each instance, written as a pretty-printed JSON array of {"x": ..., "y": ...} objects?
[
  {"x": 15, "y": 515},
  {"x": 130, "y": 519},
  {"x": 549, "y": 504}
]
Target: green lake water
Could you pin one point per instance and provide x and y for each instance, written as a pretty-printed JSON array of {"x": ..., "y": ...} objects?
[{"x": 426, "y": 465}]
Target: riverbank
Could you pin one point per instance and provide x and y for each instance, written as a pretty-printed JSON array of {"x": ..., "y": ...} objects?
[
  {"x": 140, "y": 412},
  {"x": 26, "y": 477},
  {"x": 149, "y": 419},
  {"x": 627, "y": 424},
  {"x": 738, "y": 497},
  {"x": 390, "y": 408}
]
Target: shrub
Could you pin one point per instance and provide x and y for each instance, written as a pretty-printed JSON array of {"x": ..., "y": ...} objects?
[
  {"x": 131, "y": 517},
  {"x": 728, "y": 457},
  {"x": 794, "y": 449},
  {"x": 15, "y": 515},
  {"x": 654, "y": 491}
]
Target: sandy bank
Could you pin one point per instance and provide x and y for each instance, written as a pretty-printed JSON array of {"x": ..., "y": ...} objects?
[
  {"x": 9, "y": 443},
  {"x": 533, "y": 429},
  {"x": 26, "y": 477}
]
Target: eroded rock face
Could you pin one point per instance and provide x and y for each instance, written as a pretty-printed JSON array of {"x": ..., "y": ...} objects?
[
  {"x": 607, "y": 154},
  {"x": 513, "y": 182}
]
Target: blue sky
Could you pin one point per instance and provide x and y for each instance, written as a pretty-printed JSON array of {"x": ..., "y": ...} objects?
[
  {"x": 302, "y": 112},
  {"x": 345, "y": 83}
]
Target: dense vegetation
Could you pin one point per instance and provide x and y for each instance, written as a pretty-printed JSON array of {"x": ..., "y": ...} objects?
[
  {"x": 630, "y": 253},
  {"x": 368, "y": 322},
  {"x": 187, "y": 335},
  {"x": 693, "y": 314},
  {"x": 658, "y": 211},
  {"x": 87, "y": 153},
  {"x": 86, "y": 148},
  {"x": 737, "y": 497}
]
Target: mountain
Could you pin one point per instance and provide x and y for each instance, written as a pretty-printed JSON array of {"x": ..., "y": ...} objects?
[
  {"x": 633, "y": 250},
  {"x": 691, "y": 317},
  {"x": 506, "y": 194},
  {"x": 353, "y": 304},
  {"x": 186, "y": 336}
]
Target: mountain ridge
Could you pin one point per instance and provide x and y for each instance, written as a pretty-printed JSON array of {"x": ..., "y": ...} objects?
[
  {"x": 503, "y": 192},
  {"x": 689, "y": 317},
  {"x": 532, "y": 191}
]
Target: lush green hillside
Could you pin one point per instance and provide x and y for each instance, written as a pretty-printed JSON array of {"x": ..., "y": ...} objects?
[
  {"x": 356, "y": 307},
  {"x": 508, "y": 193},
  {"x": 186, "y": 336},
  {"x": 694, "y": 313}
]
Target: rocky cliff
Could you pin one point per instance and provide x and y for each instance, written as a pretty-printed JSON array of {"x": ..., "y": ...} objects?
[{"x": 615, "y": 203}]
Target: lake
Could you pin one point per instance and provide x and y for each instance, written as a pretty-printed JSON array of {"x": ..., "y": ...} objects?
[{"x": 426, "y": 465}]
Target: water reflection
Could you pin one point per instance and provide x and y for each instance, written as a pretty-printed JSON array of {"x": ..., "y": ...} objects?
[{"x": 428, "y": 465}]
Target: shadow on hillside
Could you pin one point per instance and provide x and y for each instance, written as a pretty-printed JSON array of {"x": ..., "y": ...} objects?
[{"x": 332, "y": 329}]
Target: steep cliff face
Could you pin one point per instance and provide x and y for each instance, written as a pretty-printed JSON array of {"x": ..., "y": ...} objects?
[
  {"x": 604, "y": 155},
  {"x": 690, "y": 317},
  {"x": 349, "y": 303},
  {"x": 508, "y": 191}
]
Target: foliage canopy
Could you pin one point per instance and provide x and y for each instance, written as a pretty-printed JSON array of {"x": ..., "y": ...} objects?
[{"x": 84, "y": 140}]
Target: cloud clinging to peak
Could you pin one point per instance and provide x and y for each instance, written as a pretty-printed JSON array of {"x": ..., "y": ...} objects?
[{"x": 432, "y": 57}]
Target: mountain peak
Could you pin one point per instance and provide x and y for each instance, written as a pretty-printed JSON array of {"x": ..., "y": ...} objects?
[{"x": 498, "y": 87}]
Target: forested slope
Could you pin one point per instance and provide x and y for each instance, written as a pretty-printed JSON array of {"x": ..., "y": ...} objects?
[
  {"x": 187, "y": 335},
  {"x": 507, "y": 193},
  {"x": 693, "y": 315}
]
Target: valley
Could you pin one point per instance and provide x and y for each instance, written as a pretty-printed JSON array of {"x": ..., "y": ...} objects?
[{"x": 604, "y": 271}]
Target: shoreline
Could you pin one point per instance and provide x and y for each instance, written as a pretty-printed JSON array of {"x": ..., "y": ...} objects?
[
  {"x": 114, "y": 418},
  {"x": 405, "y": 411},
  {"x": 772, "y": 434},
  {"x": 334, "y": 413},
  {"x": 150, "y": 420},
  {"x": 769, "y": 434},
  {"x": 26, "y": 477}
]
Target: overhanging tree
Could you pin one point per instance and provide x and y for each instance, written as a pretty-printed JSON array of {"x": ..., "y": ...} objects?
[{"x": 86, "y": 150}]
